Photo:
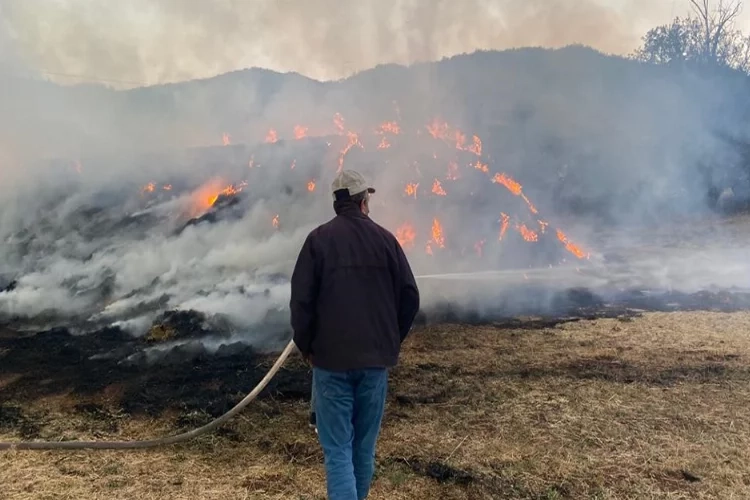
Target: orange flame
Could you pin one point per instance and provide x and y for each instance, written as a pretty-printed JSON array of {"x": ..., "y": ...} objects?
[
  {"x": 509, "y": 183},
  {"x": 405, "y": 235},
  {"x": 428, "y": 248},
  {"x": 515, "y": 188},
  {"x": 300, "y": 132},
  {"x": 311, "y": 185},
  {"x": 205, "y": 197},
  {"x": 504, "y": 222},
  {"x": 272, "y": 136},
  {"x": 353, "y": 141},
  {"x": 437, "y": 233},
  {"x": 227, "y": 191},
  {"x": 482, "y": 167},
  {"x": 167, "y": 187},
  {"x": 527, "y": 233},
  {"x": 148, "y": 188},
  {"x": 275, "y": 221},
  {"x": 531, "y": 206},
  {"x": 411, "y": 189},
  {"x": 384, "y": 144},
  {"x": 441, "y": 130},
  {"x": 225, "y": 139},
  {"x": 437, "y": 188},
  {"x": 390, "y": 128},
  {"x": 476, "y": 148},
  {"x": 570, "y": 247}
]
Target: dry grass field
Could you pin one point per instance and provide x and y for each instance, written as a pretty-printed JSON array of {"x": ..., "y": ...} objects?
[{"x": 654, "y": 407}]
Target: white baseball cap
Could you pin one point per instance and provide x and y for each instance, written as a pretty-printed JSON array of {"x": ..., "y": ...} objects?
[{"x": 351, "y": 181}]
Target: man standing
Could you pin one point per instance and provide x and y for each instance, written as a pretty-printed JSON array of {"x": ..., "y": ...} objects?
[{"x": 354, "y": 299}]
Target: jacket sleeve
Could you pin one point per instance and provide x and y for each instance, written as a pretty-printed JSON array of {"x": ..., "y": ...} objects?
[
  {"x": 408, "y": 293},
  {"x": 305, "y": 283}
]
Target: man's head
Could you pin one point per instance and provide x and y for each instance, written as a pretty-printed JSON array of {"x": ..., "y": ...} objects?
[{"x": 352, "y": 186}]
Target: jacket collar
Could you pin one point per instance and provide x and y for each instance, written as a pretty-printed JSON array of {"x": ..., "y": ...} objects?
[{"x": 348, "y": 208}]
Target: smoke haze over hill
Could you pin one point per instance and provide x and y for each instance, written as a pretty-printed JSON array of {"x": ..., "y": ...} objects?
[{"x": 155, "y": 41}]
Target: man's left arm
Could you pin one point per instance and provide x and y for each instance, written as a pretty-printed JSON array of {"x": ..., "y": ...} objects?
[{"x": 304, "y": 297}]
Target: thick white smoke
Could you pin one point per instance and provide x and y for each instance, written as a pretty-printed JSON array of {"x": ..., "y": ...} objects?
[{"x": 95, "y": 259}]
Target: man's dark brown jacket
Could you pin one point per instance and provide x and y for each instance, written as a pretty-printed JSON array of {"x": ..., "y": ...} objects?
[{"x": 354, "y": 297}]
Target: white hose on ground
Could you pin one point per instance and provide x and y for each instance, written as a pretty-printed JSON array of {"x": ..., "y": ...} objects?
[{"x": 151, "y": 443}]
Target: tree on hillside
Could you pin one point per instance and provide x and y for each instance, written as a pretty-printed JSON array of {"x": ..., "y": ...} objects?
[{"x": 707, "y": 37}]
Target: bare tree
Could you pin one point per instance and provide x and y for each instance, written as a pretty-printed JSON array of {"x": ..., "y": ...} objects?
[
  {"x": 742, "y": 56},
  {"x": 716, "y": 24},
  {"x": 707, "y": 37}
]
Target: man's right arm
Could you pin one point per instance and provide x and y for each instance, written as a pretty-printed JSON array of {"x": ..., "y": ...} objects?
[
  {"x": 408, "y": 293},
  {"x": 304, "y": 297}
]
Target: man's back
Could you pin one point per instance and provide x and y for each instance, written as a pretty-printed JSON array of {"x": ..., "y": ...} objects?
[
  {"x": 353, "y": 294},
  {"x": 354, "y": 299}
]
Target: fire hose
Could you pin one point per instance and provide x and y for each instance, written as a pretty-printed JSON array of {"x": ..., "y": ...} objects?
[{"x": 152, "y": 443}]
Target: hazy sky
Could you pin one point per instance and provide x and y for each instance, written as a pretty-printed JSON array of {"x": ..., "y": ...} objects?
[{"x": 155, "y": 41}]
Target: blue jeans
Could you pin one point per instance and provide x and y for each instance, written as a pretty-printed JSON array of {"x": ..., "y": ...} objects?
[{"x": 349, "y": 410}]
